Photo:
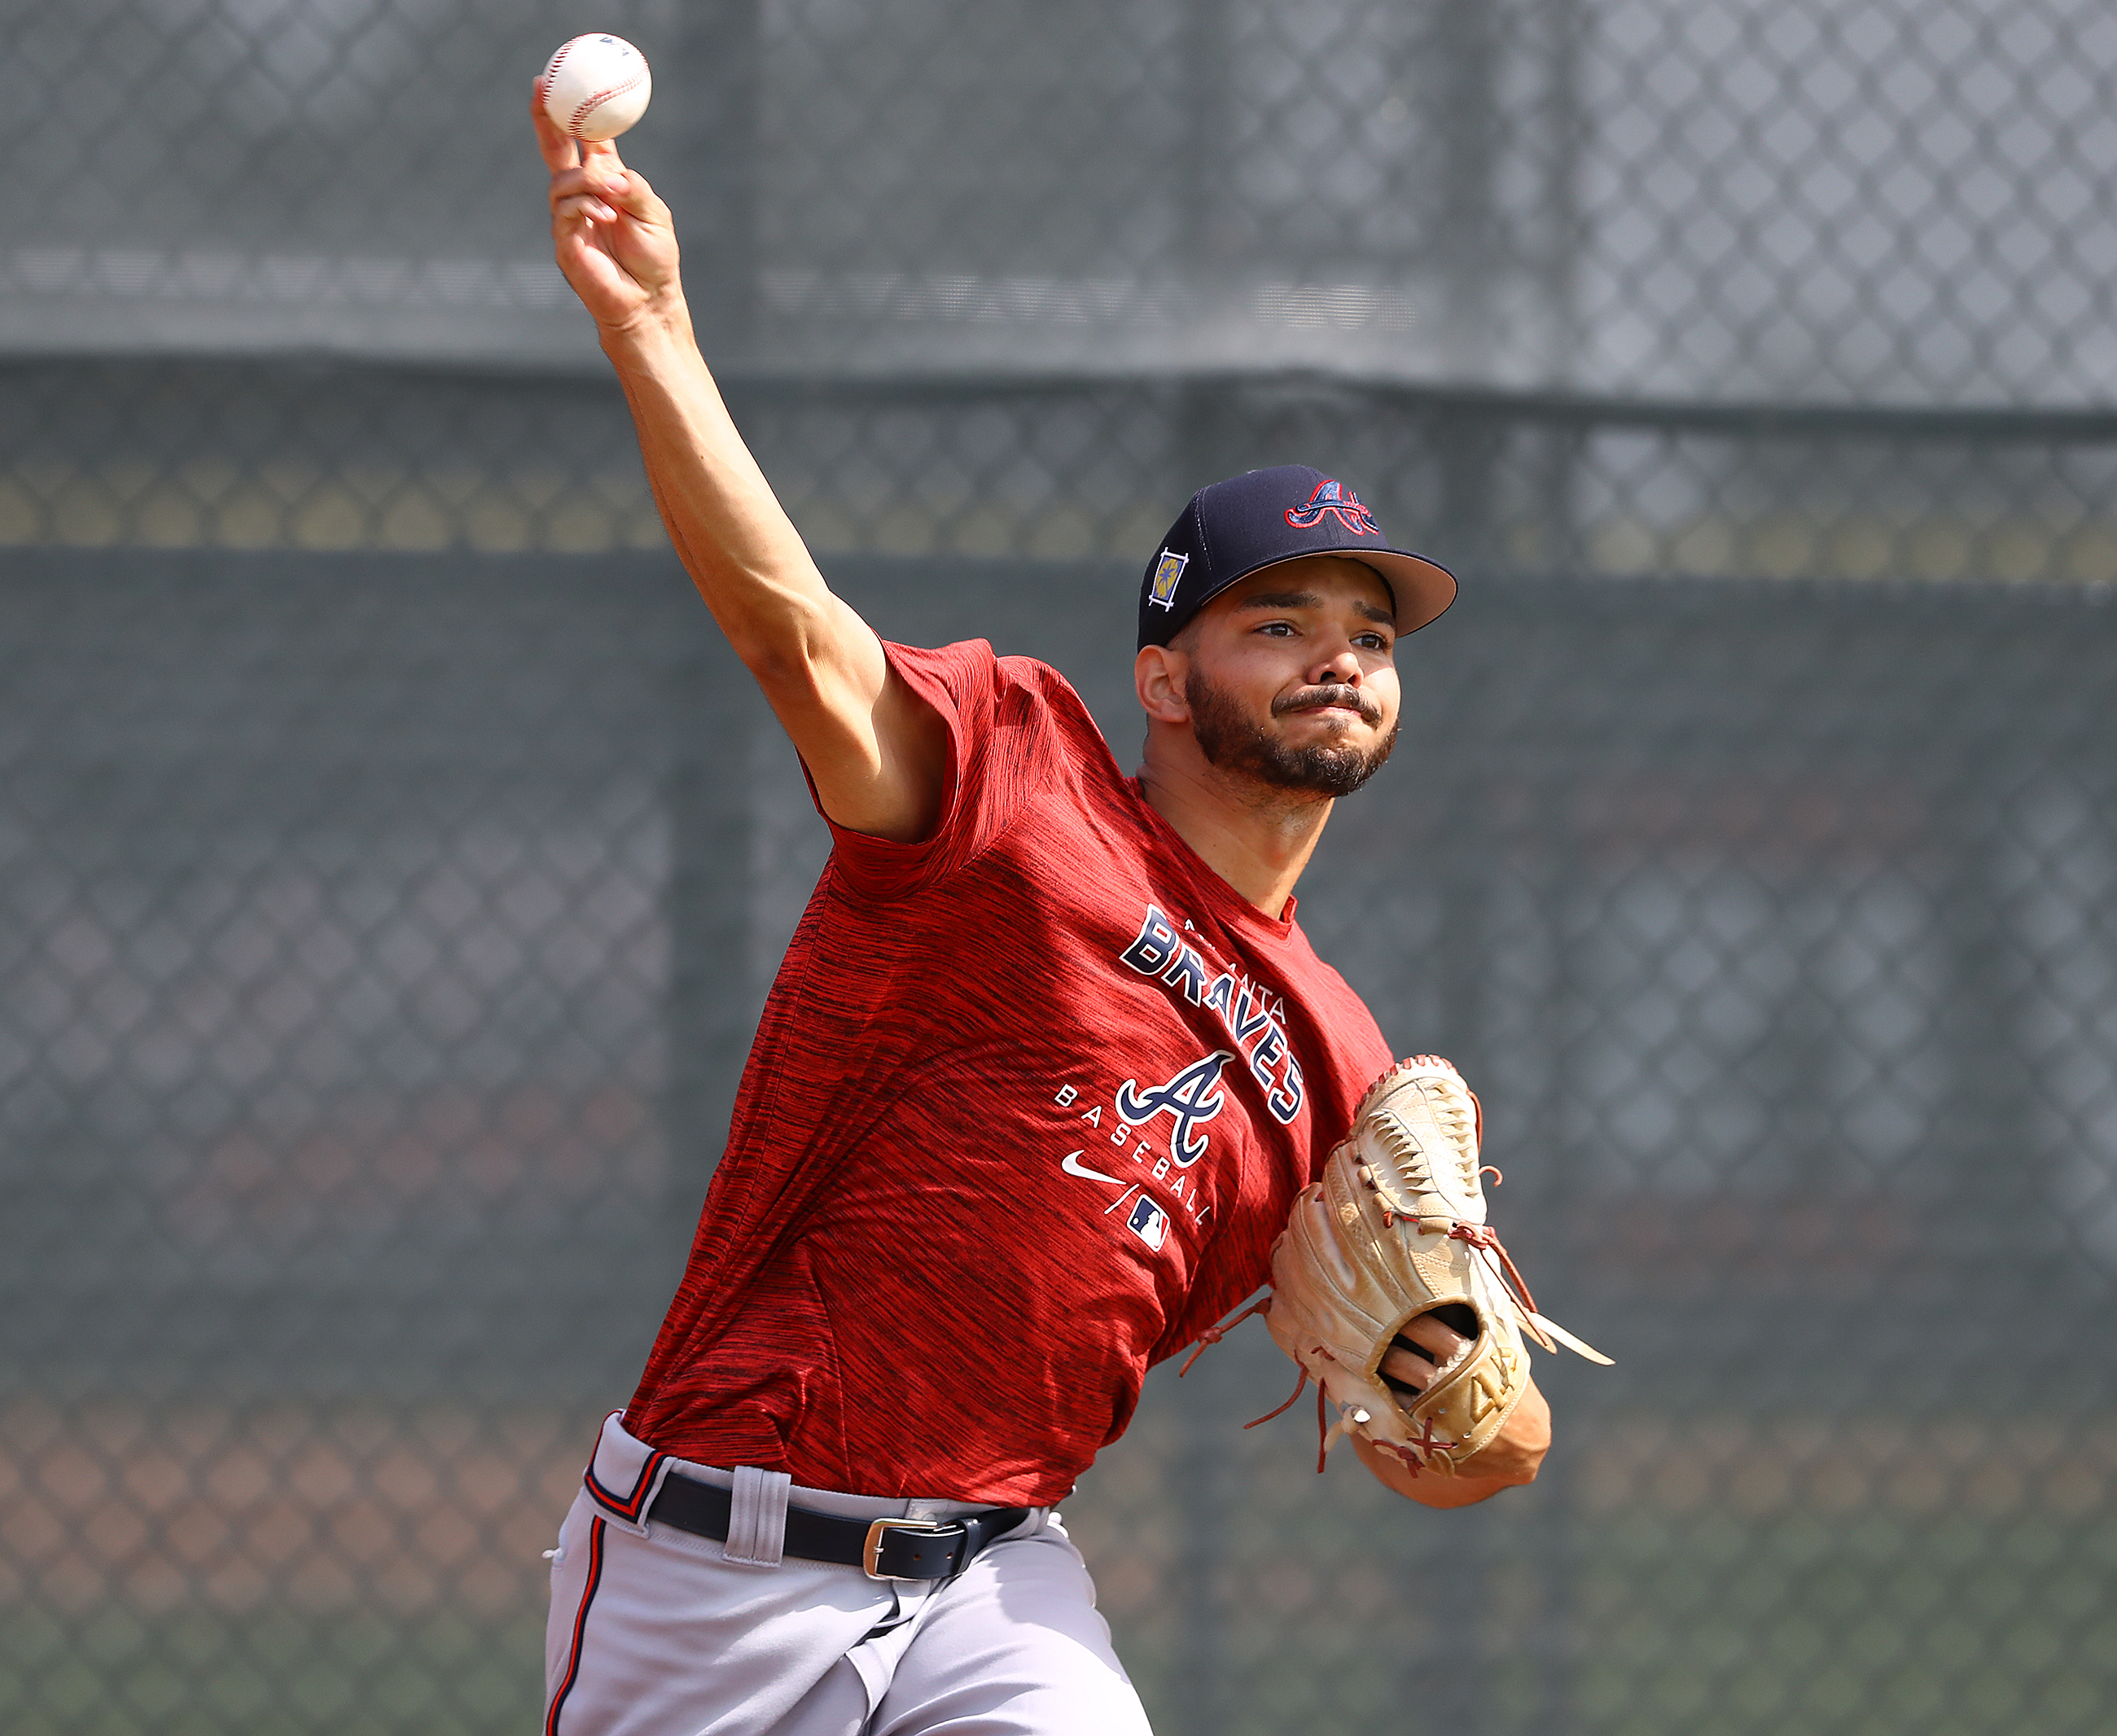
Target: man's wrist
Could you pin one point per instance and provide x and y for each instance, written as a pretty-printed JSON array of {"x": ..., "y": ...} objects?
[{"x": 661, "y": 327}]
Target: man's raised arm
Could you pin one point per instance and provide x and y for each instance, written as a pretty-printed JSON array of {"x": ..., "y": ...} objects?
[{"x": 876, "y": 750}]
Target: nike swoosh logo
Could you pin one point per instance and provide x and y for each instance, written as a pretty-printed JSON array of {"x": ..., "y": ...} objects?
[{"x": 1071, "y": 1165}]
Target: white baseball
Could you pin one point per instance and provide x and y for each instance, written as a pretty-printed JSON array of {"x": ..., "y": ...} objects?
[{"x": 596, "y": 87}]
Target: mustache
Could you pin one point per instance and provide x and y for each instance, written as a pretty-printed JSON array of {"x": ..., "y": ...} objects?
[{"x": 1312, "y": 699}]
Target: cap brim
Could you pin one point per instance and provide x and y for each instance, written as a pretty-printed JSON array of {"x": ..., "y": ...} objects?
[{"x": 1422, "y": 589}]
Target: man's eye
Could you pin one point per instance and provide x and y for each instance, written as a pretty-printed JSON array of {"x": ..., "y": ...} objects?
[{"x": 1282, "y": 628}]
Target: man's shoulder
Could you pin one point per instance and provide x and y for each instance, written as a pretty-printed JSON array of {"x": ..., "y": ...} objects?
[
  {"x": 966, "y": 664},
  {"x": 992, "y": 691}
]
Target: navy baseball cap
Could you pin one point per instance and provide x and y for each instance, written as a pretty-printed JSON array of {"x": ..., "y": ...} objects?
[{"x": 1234, "y": 529}]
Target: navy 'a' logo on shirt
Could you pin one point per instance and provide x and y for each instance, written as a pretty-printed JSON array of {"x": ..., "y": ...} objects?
[{"x": 1193, "y": 1096}]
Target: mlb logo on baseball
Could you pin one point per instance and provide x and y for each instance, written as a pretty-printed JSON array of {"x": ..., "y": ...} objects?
[{"x": 1150, "y": 1223}]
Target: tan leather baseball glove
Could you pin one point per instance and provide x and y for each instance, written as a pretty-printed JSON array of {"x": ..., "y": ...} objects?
[{"x": 1396, "y": 1229}]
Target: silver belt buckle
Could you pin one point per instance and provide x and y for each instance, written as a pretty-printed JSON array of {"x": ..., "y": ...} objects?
[{"x": 871, "y": 1556}]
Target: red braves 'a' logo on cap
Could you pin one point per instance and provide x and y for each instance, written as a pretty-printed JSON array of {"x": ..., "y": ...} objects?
[{"x": 1330, "y": 497}]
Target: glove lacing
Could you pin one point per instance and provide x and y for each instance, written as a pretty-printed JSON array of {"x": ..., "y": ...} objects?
[
  {"x": 1326, "y": 1432},
  {"x": 1414, "y": 1164},
  {"x": 1213, "y": 1335}
]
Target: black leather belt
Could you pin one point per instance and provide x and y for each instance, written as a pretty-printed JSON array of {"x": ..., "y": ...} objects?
[{"x": 883, "y": 1549}]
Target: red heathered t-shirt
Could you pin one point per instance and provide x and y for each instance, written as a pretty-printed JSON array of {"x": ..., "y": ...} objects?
[{"x": 1027, "y": 1105}]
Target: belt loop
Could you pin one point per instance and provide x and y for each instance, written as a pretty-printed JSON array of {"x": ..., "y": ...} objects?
[
  {"x": 757, "y": 1517},
  {"x": 625, "y": 1475}
]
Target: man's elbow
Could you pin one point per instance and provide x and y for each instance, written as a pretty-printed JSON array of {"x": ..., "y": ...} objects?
[
  {"x": 1467, "y": 1488},
  {"x": 1516, "y": 1453},
  {"x": 1475, "y": 1482},
  {"x": 786, "y": 650}
]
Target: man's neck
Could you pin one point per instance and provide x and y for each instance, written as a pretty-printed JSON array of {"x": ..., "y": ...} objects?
[{"x": 1256, "y": 837}]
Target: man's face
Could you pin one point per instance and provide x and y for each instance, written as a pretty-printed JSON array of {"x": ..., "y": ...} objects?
[{"x": 1292, "y": 678}]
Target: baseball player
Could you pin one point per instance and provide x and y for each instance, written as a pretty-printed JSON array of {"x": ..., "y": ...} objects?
[{"x": 1045, "y": 1068}]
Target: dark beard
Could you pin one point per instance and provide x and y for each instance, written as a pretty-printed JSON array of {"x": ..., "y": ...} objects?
[{"x": 1233, "y": 742}]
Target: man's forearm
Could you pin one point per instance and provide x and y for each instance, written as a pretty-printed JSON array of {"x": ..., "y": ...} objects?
[
  {"x": 741, "y": 549},
  {"x": 876, "y": 751}
]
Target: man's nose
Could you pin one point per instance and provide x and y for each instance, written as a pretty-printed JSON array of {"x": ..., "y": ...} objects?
[{"x": 1342, "y": 669}]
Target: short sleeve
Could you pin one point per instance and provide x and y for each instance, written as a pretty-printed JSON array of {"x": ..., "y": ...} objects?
[{"x": 1000, "y": 745}]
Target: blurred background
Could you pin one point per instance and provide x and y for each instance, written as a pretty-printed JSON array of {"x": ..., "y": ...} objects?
[{"x": 392, "y": 862}]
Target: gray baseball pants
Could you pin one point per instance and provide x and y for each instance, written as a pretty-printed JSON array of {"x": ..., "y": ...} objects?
[{"x": 654, "y": 1632}]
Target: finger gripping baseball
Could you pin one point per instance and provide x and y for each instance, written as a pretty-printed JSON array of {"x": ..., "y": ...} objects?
[{"x": 1395, "y": 1228}]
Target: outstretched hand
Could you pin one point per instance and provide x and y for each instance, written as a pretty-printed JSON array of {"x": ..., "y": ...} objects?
[{"x": 611, "y": 236}]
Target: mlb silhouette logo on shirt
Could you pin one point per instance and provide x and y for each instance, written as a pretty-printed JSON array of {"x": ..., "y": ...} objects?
[{"x": 1150, "y": 1223}]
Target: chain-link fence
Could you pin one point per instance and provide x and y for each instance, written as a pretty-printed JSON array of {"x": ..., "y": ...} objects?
[
  {"x": 391, "y": 860},
  {"x": 1902, "y": 200}
]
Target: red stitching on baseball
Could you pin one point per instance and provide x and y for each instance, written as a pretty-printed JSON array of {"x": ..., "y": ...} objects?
[
  {"x": 551, "y": 71},
  {"x": 589, "y": 106}
]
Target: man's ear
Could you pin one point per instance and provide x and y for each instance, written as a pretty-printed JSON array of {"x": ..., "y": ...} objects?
[{"x": 1158, "y": 673}]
